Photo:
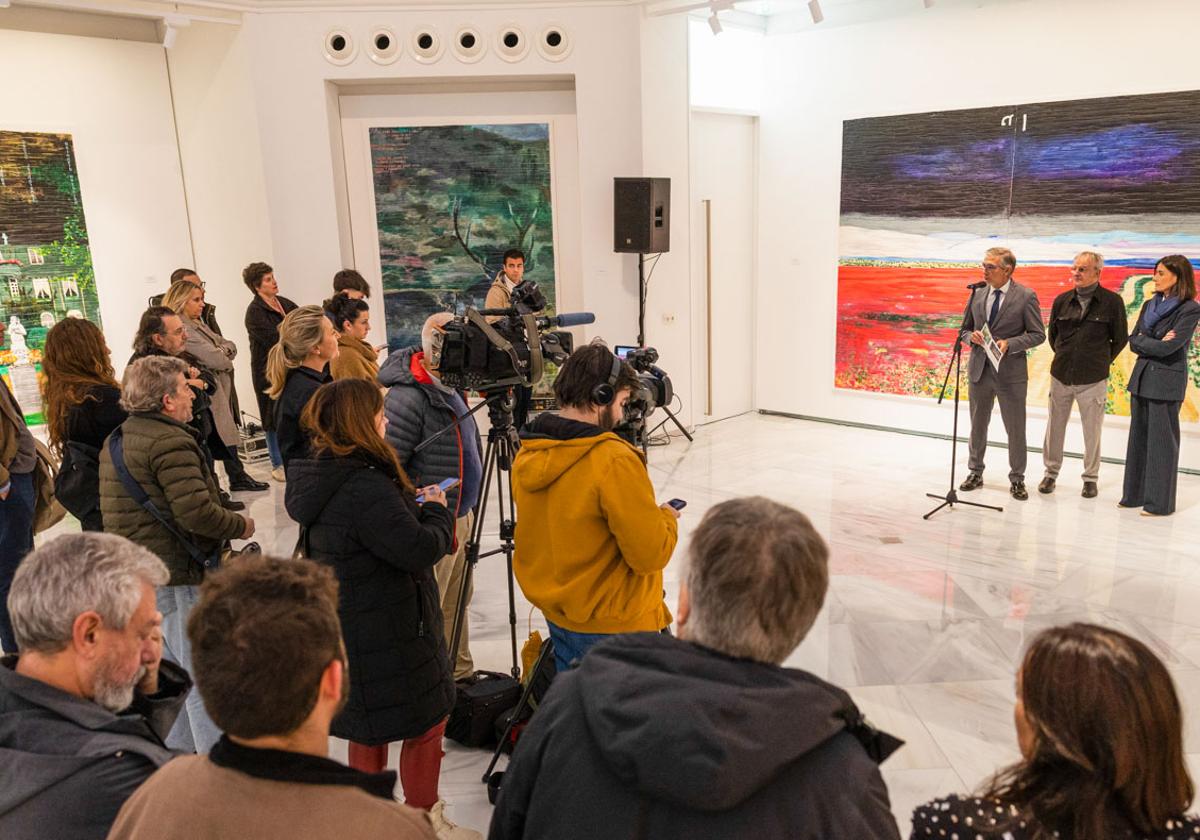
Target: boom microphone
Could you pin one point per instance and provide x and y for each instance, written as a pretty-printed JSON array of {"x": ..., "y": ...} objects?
[{"x": 568, "y": 319}]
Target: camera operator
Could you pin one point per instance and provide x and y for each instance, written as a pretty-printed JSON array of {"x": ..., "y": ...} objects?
[
  {"x": 500, "y": 296},
  {"x": 591, "y": 542}
]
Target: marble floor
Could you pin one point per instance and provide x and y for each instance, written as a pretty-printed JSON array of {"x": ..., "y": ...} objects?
[{"x": 925, "y": 621}]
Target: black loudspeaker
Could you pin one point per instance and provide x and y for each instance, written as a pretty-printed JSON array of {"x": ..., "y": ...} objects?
[{"x": 641, "y": 215}]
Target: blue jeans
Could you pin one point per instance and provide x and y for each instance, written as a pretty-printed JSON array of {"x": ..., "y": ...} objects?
[
  {"x": 16, "y": 540},
  {"x": 569, "y": 646},
  {"x": 194, "y": 730},
  {"x": 273, "y": 449}
]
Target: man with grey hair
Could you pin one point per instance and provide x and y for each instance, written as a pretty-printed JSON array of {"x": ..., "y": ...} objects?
[
  {"x": 1088, "y": 328},
  {"x": 707, "y": 735},
  {"x": 86, "y": 705},
  {"x": 157, "y": 490},
  {"x": 417, "y": 407}
]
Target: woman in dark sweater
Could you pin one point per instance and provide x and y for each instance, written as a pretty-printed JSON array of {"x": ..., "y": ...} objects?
[
  {"x": 81, "y": 396},
  {"x": 359, "y": 514},
  {"x": 1101, "y": 735},
  {"x": 296, "y": 367},
  {"x": 263, "y": 317}
]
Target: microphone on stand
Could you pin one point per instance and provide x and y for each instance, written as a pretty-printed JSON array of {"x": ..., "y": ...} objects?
[{"x": 978, "y": 285}]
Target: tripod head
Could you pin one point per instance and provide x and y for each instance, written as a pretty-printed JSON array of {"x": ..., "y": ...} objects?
[{"x": 500, "y": 416}]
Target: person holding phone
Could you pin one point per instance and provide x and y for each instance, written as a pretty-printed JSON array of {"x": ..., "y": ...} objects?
[{"x": 362, "y": 518}]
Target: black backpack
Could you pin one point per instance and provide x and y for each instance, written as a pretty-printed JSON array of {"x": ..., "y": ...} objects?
[{"x": 77, "y": 485}]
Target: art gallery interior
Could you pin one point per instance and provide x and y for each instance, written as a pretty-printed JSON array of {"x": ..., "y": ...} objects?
[{"x": 213, "y": 134}]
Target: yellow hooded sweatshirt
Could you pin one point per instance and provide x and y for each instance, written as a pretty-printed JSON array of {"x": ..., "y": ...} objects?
[{"x": 591, "y": 541}]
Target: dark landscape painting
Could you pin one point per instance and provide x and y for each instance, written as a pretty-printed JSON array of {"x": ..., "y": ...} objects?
[{"x": 925, "y": 195}]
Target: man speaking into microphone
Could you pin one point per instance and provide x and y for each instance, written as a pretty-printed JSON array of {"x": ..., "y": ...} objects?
[{"x": 1013, "y": 316}]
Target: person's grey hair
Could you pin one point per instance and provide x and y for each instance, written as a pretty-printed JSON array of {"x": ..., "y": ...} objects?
[
  {"x": 434, "y": 322},
  {"x": 756, "y": 580},
  {"x": 1006, "y": 256},
  {"x": 1097, "y": 260},
  {"x": 73, "y": 574},
  {"x": 148, "y": 380}
]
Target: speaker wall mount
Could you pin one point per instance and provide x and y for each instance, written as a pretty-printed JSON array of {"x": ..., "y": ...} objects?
[
  {"x": 511, "y": 43},
  {"x": 554, "y": 44},
  {"x": 383, "y": 46},
  {"x": 469, "y": 45},
  {"x": 339, "y": 47},
  {"x": 426, "y": 44}
]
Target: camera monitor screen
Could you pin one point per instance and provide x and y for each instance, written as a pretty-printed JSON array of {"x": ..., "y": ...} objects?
[{"x": 623, "y": 350}]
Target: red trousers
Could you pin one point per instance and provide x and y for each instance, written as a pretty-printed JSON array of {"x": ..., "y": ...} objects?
[{"x": 420, "y": 765}]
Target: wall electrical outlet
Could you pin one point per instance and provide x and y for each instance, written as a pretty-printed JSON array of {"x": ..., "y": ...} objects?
[{"x": 668, "y": 317}]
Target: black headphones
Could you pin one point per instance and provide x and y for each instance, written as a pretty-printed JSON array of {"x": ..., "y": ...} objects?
[{"x": 605, "y": 393}]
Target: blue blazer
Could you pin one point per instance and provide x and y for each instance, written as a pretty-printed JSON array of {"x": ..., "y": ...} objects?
[{"x": 1161, "y": 371}]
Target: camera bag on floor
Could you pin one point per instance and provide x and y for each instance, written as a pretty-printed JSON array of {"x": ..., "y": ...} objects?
[
  {"x": 539, "y": 674},
  {"x": 478, "y": 702}
]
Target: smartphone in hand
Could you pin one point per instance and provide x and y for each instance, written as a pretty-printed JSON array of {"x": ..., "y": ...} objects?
[
  {"x": 678, "y": 504},
  {"x": 448, "y": 484}
]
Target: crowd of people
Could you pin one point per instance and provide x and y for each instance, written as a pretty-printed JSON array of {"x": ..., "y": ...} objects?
[{"x": 156, "y": 685}]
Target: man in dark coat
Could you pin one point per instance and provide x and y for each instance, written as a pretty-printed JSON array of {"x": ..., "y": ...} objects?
[
  {"x": 705, "y": 735},
  {"x": 85, "y": 707}
]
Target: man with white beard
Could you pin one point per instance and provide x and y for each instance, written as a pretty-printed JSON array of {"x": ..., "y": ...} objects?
[{"x": 86, "y": 704}]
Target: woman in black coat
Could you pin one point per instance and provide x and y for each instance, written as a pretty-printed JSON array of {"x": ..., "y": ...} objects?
[
  {"x": 263, "y": 317},
  {"x": 358, "y": 513},
  {"x": 82, "y": 408},
  {"x": 1157, "y": 387},
  {"x": 296, "y": 367}
]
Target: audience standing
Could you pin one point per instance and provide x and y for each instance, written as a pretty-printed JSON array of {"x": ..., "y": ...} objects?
[
  {"x": 296, "y": 367},
  {"x": 18, "y": 457},
  {"x": 1100, "y": 730},
  {"x": 1157, "y": 386},
  {"x": 162, "y": 455},
  {"x": 418, "y": 407},
  {"x": 85, "y": 707},
  {"x": 358, "y": 513},
  {"x": 81, "y": 403},
  {"x": 355, "y": 358},
  {"x": 350, "y": 283},
  {"x": 264, "y": 314},
  {"x": 706, "y": 735},
  {"x": 270, "y": 665},
  {"x": 591, "y": 541}
]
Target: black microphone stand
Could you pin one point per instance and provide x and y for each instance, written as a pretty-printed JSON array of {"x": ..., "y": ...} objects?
[{"x": 950, "y": 499}]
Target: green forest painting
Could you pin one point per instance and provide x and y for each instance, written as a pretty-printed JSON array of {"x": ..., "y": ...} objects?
[
  {"x": 45, "y": 263},
  {"x": 449, "y": 201}
]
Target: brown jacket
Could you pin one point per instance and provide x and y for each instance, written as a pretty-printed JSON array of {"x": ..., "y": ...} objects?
[
  {"x": 266, "y": 795},
  {"x": 11, "y": 424},
  {"x": 355, "y": 360},
  {"x": 499, "y": 296}
]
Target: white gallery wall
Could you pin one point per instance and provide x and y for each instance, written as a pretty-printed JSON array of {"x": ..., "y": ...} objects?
[
  {"x": 113, "y": 97},
  {"x": 941, "y": 59}
]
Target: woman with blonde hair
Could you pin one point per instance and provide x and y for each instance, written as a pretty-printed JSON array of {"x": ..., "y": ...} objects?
[
  {"x": 297, "y": 366},
  {"x": 216, "y": 354},
  {"x": 361, "y": 516},
  {"x": 82, "y": 406}
]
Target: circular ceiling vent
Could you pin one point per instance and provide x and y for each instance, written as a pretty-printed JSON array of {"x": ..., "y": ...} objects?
[
  {"x": 554, "y": 43},
  {"x": 427, "y": 44},
  {"x": 469, "y": 45},
  {"x": 384, "y": 46},
  {"x": 339, "y": 47},
  {"x": 511, "y": 43}
]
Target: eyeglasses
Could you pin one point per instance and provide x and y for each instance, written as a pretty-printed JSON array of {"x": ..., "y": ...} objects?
[{"x": 989, "y": 266}]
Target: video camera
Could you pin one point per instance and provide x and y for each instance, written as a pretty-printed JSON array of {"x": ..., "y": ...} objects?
[
  {"x": 511, "y": 351},
  {"x": 654, "y": 391}
]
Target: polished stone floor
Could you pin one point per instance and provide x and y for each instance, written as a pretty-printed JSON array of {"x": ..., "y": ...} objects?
[{"x": 925, "y": 621}]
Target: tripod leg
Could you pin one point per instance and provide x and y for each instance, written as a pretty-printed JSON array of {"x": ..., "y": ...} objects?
[
  {"x": 508, "y": 533},
  {"x": 679, "y": 425},
  {"x": 472, "y": 555},
  {"x": 518, "y": 709}
]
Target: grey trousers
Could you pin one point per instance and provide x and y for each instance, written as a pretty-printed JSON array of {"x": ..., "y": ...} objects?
[
  {"x": 449, "y": 574},
  {"x": 1152, "y": 458},
  {"x": 1091, "y": 399},
  {"x": 983, "y": 395}
]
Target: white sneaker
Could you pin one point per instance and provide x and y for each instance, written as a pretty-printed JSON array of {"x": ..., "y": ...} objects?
[
  {"x": 445, "y": 829},
  {"x": 278, "y": 474}
]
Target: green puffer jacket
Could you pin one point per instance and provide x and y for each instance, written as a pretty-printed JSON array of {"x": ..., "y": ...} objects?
[{"x": 164, "y": 457}]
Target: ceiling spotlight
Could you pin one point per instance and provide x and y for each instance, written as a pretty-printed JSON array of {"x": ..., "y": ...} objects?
[
  {"x": 814, "y": 9},
  {"x": 714, "y": 23}
]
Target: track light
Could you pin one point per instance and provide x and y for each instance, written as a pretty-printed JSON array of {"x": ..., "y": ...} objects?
[
  {"x": 814, "y": 9},
  {"x": 714, "y": 23}
]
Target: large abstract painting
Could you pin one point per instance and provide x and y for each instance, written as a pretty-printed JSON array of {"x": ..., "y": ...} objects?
[
  {"x": 45, "y": 262},
  {"x": 925, "y": 195},
  {"x": 449, "y": 201}
]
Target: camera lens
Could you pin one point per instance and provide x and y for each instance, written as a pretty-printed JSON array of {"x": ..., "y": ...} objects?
[
  {"x": 338, "y": 43},
  {"x": 511, "y": 40},
  {"x": 553, "y": 39},
  {"x": 382, "y": 42},
  {"x": 425, "y": 41},
  {"x": 467, "y": 40}
]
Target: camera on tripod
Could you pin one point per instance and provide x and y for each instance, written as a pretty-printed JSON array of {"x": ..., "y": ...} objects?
[
  {"x": 654, "y": 391},
  {"x": 511, "y": 351}
]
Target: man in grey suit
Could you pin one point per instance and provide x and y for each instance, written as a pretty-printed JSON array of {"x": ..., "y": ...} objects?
[{"x": 1012, "y": 313}]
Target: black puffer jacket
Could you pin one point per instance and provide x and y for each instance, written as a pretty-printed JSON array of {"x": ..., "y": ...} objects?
[
  {"x": 382, "y": 546},
  {"x": 654, "y": 737},
  {"x": 298, "y": 388}
]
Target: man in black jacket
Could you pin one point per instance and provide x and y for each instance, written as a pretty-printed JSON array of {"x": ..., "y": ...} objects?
[
  {"x": 1088, "y": 328},
  {"x": 85, "y": 707},
  {"x": 705, "y": 735}
]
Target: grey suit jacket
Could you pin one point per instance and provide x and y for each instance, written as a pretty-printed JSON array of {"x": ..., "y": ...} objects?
[
  {"x": 1161, "y": 370},
  {"x": 1019, "y": 322}
]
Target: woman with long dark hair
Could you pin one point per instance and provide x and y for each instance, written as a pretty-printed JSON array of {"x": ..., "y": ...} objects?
[
  {"x": 82, "y": 400},
  {"x": 1157, "y": 387},
  {"x": 358, "y": 513},
  {"x": 264, "y": 314},
  {"x": 1100, "y": 730}
]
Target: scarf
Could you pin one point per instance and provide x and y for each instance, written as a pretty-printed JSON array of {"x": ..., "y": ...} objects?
[{"x": 1158, "y": 308}]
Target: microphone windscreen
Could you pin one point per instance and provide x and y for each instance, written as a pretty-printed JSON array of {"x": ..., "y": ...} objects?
[{"x": 575, "y": 319}]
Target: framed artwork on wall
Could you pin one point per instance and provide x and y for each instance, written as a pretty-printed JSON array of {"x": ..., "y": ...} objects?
[{"x": 923, "y": 196}]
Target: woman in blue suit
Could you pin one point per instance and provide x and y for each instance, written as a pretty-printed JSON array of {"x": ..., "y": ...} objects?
[{"x": 1156, "y": 389}]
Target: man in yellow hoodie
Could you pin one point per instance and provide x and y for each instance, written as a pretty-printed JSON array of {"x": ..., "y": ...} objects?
[{"x": 591, "y": 540}]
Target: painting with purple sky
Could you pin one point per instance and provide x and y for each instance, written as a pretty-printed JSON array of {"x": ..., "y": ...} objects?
[{"x": 924, "y": 195}]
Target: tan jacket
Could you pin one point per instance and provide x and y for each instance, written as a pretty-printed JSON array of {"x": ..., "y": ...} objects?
[
  {"x": 11, "y": 423},
  {"x": 355, "y": 360},
  {"x": 498, "y": 297},
  {"x": 193, "y": 798}
]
